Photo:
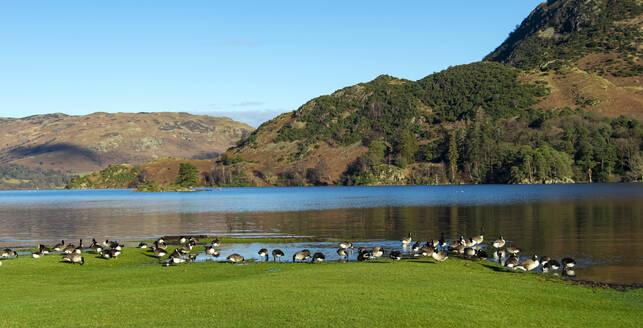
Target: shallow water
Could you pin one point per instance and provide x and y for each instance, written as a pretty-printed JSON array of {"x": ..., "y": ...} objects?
[{"x": 601, "y": 225}]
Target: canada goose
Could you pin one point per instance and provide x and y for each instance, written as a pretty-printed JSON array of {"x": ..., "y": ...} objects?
[
  {"x": 215, "y": 242},
  {"x": 183, "y": 239},
  {"x": 512, "y": 261},
  {"x": 513, "y": 250},
  {"x": 193, "y": 240},
  {"x": 319, "y": 257},
  {"x": 568, "y": 262},
  {"x": 346, "y": 245},
  {"x": 363, "y": 256},
  {"x": 211, "y": 251},
  {"x": 59, "y": 247},
  {"x": 106, "y": 254},
  {"x": 569, "y": 272},
  {"x": 467, "y": 242},
  {"x": 479, "y": 238},
  {"x": 407, "y": 240},
  {"x": 549, "y": 267},
  {"x": 426, "y": 250},
  {"x": 469, "y": 252},
  {"x": 277, "y": 254},
  {"x": 264, "y": 253},
  {"x": 37, "y": 255},
  {"x": 530, "y": 264},
  {"x": 80, "y": 247},
  {"x": 342, "y": 253},
  {"x": 416, "y": 246},
  {"x": 185, "y": 249},
  {"x": 432, "y": 243},
  {"x": 69, "y": 248},
  {"x": 395, "y": 255},
  {"x": 378, "y": 251},
  {"x": 160, "y": 252},
  {"x": 454, "y": 247},
  {"x": 44, "y": 249},
  {"x": 481, "y": 253},
  {"x": 499, "y": 243},
  {"x": 143, "y": 245},
  {"x": 301, "y": 256},
  {"x": 439, "y": 255},
  {"x": 235, "y": 258},
  {"x": 74, "y": 258},
  {"x": 544, "y": 259},
  {"x": 159, "y": 245},
  {"x": 499, "y": 254},
  {"x": 114, "y": 253},
  {"x": 442, "y": 241},
  {"x": 8, "y": 252},
  {"x": 361, "y": 249},
  {"x": 554, "y": 265},
  {"x": 459, "y": 249}
]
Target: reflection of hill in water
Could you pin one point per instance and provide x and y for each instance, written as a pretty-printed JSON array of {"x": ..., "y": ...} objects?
[{"x": 592, "y": 232}]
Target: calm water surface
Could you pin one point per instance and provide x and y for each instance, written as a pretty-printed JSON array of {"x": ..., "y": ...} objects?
[{"x": 601, "y": 225}]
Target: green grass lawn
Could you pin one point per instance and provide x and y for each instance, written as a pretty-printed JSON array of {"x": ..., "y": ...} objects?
[{"x": 456, "y": 293}]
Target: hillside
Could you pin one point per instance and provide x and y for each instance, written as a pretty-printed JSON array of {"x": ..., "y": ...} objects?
[
  {"x": 559, "y": 101},
  {"x": 91, "y": 142}
]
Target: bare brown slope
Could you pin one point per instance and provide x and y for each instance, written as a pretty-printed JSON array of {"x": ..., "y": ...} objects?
[{"x": 92, "y": 142}]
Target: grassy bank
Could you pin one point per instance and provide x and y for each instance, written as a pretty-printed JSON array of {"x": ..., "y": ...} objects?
[{"x": 124, "y": 292}]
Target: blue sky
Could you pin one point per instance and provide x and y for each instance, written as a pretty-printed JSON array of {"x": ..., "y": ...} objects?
[{"x": 249, "y": 60}]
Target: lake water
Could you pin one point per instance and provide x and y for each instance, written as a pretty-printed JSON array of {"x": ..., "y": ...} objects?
[{"x": 600, "y": 225}]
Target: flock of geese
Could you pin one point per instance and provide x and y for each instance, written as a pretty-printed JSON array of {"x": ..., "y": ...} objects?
[{"x": 467, "y": 248}]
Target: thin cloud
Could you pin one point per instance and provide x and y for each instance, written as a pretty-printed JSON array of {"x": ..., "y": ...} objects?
[{"x": 253, "y": 118}]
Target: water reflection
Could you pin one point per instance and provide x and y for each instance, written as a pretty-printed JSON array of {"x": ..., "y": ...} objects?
[{"x": 604, "y": 233}]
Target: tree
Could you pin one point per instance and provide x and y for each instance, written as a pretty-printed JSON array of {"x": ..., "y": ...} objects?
[
  {"x": 453, "y": 154},
  {"x": 188, "y": 175}
]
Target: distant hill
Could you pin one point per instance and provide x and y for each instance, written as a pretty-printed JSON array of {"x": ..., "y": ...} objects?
[
  {"x": 78, "y": 144},
  {"x": 559, "y": 101}
]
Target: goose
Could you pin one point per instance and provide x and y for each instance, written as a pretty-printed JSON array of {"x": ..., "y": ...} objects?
[
  {"x": 107, "y": 243},
  {"x": 378, "y": 251},
  {"x": 439, "y": 256},
  {"x": 454, "y": 247},
  {"x": 263, "y": 253},
  {"x": 114, "y": 253},
  {"x": 106, "y": 254},
  {"x": 548, "y": 267},
  {"x": 466, "y": 242},
  {"x": 544, "y": 259},
  {"x": 346, "y": 245},
  {"x": 160, "y": 252},
  {"x": 479, "y": 238},
  {"x": 499, "y": 254},
  {"x": 143, "y": 245},
  {"x": 512, "y": 261},
  {"x": 568, "y": 262},
  {"x": 416, "y": 246},
  {"x": 481, "y": 253},
  {"x": 69, "y": 248},
  {"x": 395, "y": 255},
  {"x": 569, "y": 272},
  {"x": 442, "y": 241},
  {"x": 361, "y": 249},
  {"x": 407, "y": 240},
  {"x": 37, "y": 255},
  {"x": 215, "y": 242},
  {"x": 366, "y": 255},
  {"x": 469, "y": 252},
  {"x": 185, "y": 249},
  {"x": 80, "y": 247},
  {"x": 432, "y": 243},
  {"x": 319, "y": 257},
  {"x": 499, "y": 243},
  {"x": 44, "y": 249},
  {"x": 74, "y": 258},
  {"x": 530, "y": 264},
  {"x": 426, "y": 250},
  {"x": 513, "y": 250},
  {"x": 301, "y": 256},
  {"x": 277, "y": 254},
  {"x": 342, "y": 253},
  {"x": 554, "y": 265},
  {"x": 8, "y": 252},
  {"x": 183, "y": 239},
  {"x": 159, "y": 245},
  {"x": 59, "y": 247},
  {"x": 211, "y": 251},
  {"x": 235, "y": 258}
]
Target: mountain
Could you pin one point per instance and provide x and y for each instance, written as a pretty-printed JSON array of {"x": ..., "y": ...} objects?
[
  {"x": 559, "y": 101},
  {"x": 78, "y": 144}
]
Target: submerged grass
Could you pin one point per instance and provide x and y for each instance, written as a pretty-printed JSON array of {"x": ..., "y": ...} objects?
[{"x": 125, "y": 293}]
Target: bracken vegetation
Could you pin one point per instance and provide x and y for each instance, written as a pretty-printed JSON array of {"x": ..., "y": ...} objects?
[{"x": 21, "y": 177}]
